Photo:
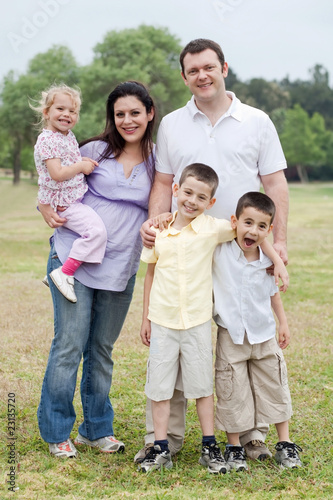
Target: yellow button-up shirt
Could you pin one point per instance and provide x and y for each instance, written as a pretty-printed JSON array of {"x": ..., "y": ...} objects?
[{"x": 181, "y": 293}]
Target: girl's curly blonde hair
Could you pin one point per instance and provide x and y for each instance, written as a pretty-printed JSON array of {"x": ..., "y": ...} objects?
[{"x": 47, "y": 99}]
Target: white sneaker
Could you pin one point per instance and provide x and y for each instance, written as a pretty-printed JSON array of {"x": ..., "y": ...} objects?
[
  {"x": 64, "y": 283},
  {"x": 107, "y": 444},
  {"x": 45, "y": 281},
  {"x": 63, "y": 450},
  {"x": 155, "y": 460}
]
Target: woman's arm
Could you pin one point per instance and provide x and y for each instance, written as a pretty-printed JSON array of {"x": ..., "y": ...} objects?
[{"x": 51, "y": 217}]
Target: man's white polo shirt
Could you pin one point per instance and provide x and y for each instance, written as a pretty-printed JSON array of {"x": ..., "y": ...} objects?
[
  {"x": 242, "y": 294},
  {"x": 242, "y": 146},
  {"x": 181, "y": 294}
]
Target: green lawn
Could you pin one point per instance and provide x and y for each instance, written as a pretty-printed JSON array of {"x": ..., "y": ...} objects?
[{"x": 26, "y": 334}]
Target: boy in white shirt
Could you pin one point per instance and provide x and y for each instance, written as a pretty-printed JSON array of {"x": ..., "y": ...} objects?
[
  {"x": 251, "y": 373},
  {"x": 177, "y": 313}
]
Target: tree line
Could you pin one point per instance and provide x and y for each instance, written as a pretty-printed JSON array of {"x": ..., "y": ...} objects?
[{"x": 301, "y": 110}]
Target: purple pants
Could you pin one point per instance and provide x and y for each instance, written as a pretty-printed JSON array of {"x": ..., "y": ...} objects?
[{"x": 83, "y": 220}]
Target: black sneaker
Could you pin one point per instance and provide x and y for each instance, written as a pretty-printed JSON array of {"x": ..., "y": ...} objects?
[
  {"x": 235, "y": 458},
  {"x": 287, "y": 455},
  {"x": 212, "y": 458},
  {"x": 155, "y": 459}
]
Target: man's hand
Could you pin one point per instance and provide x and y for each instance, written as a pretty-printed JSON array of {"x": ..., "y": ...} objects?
[
  {"x": 281, "y": 250},
  {"x": 147, "y": 235},
  {"x": 50, "y": 216}
]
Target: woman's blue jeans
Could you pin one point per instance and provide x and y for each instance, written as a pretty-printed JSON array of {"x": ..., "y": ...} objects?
[{"x": 90, "y": 328}]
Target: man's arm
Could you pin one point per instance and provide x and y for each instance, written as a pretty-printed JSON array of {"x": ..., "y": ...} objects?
[
  {"x": 159, "y": 202},
  {"x": 276, "y": 187}
]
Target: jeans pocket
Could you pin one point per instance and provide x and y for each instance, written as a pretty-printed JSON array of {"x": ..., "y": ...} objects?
[
  {"x": 282, "y": 369},
  {"x": 223, "y": 381}
]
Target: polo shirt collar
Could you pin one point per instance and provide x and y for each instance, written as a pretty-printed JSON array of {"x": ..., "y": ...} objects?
[
  {"x": 235, "y": 109},
  {"x": 238, "y": 253}
]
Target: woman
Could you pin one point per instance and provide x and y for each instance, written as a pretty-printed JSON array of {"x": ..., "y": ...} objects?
[{"x": 118, "y": 190}]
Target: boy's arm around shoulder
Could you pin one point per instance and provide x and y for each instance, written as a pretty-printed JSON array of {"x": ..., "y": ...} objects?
[
  {"x": 280, "y": 270},
  {"x": 225, "y": 231},
  {"x": 283, "y": 328}
]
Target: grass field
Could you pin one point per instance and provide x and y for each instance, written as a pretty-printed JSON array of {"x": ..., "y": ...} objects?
[{"x": 26, "y": 334}]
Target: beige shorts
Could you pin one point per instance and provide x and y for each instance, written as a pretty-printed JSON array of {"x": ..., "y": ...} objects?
[
  {"x": 191, "y": 350},
  {"x": 251, "y": 384}
]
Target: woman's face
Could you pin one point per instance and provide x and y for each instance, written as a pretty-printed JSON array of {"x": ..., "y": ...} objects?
[{"x": 131, "y": 118}]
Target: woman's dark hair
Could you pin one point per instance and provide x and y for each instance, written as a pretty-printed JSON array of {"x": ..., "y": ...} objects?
[{"x": 114, "y": 142}]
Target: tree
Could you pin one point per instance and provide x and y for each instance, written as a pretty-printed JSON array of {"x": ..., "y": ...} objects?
[
  {"x": 303, "y": 140},
  {"x": 313, "y": 95},
  {"x": 16, "y": 118},
  {"x": 147, "y": 54},
  {"x": 261, "y": 94}
]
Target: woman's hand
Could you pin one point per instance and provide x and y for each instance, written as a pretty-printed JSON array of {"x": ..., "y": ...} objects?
[{"x": 51, "y": 217}]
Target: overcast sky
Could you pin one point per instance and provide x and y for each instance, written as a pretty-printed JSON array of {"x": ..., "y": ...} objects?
[{"x": 260, "y": 38}]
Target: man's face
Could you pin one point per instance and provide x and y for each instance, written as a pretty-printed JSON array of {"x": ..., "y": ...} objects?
[{"x": 204, "y": 75}]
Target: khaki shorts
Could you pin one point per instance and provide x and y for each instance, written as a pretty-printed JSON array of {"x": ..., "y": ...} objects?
[
  {"x": 191, "y": 350},
  {"x": 251, "y": 384}
]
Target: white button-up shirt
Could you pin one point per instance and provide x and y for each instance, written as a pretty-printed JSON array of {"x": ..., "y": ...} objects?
[{"x": 242, "y": 294}]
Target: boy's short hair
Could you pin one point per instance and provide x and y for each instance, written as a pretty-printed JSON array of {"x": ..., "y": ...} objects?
[
  {"x": 257, "y": 200},
  {"x": 202, "y": 173},
  {"x": 199, "y": 45}
]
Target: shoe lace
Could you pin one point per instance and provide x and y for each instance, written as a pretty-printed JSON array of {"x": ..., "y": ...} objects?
[
  {"x": 291, "y": 448},
  {"x": 215, "y": 452},
  {"x": 151, "y": 453},
  {"x": 65, "y": 446},
  {"x": 238, "y": 452}
]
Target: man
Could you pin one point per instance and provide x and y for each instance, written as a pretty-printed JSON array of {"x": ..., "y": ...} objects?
[{"x": 242, "y": 145}]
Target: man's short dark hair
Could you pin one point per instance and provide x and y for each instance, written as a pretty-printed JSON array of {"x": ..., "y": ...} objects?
[
  {"x": 202, "y": 173},
  {"x": 257, "y": 200},
  {"x": 199, "y": 45}
]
